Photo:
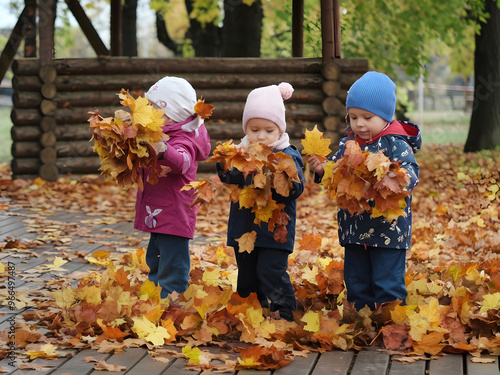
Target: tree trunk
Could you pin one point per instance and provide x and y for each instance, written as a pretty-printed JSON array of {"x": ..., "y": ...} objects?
[
  {"x": 163, "y": 36},
  {"x": 242, "y": 30},
  {"x": 206, "y": 40},
  {"x": 484, "y": 131},
  {"x": 129, "y": 28}
]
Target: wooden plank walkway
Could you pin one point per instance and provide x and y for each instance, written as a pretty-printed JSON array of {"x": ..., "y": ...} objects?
[{"x": 137, "y": 360}]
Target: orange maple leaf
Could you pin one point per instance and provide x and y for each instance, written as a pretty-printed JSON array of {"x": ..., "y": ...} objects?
[{"x": 203, "y": 110}]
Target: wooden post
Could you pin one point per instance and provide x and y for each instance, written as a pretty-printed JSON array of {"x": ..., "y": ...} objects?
[
  {"x": 336, "y": 28},
  {"x": 47, "y": 74},
  {"x": 298, "y": 28},
  {"x": 327, "y": 37},
  {"x": 116, "y": 28},
  {"x": 29, "y": 29},
  {"x": 46, "y": 31}
]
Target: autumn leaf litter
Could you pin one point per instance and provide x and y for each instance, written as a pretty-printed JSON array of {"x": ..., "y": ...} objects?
[{"x": 453, "y": 277}]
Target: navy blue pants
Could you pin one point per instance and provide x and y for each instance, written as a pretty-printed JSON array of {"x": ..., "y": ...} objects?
[
  {"x": 264, "y": 271},
  {"x": 374, "y": 274},
  {"x": 169, "y": 262}
]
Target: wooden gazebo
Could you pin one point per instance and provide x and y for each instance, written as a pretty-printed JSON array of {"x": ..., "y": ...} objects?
[{"x": 52, "y": 97}]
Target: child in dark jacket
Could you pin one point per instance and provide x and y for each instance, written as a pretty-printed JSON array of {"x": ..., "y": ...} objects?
[
  {"x": 163, "y": 209},
  {"x": 375, "y": 249},
  {"x": 264, "y": 270}
]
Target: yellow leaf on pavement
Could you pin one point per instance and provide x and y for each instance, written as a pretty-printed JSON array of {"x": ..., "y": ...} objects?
[
  {"x": 312, "y": 319},
  {"x": 150, "y": 332}
]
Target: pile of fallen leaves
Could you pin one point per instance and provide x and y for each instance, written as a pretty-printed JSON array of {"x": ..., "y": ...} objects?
[{"x": 453, "y": 282}]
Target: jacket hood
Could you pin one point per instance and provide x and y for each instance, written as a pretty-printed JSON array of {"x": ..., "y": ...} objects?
[{"x": 402, "y": 129}]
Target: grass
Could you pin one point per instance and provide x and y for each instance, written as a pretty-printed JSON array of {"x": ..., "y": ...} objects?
[
  {"x": 440, "y": 127},
  {"x": 5, "y": 137}
]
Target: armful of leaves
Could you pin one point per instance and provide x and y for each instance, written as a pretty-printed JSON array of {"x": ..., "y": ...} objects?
[
  {"x": 361, "y": 177},
  {"x": 125, "y": 142},
  {"x": 268, "y": 171}
]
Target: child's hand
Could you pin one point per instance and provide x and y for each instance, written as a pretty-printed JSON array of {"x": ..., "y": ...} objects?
[
  {"x": 316, "y": 164},
  {"x": 160, "y": 147}
]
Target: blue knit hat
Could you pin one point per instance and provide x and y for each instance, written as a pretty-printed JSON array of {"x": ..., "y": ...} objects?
[{"x": 374, "y": 92}]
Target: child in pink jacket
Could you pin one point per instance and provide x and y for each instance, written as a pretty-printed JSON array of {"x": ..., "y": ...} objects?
[{"x": 163, "y": 209}]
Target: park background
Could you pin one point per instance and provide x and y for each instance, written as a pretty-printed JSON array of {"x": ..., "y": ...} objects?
[{"x": 438, "y": 101}]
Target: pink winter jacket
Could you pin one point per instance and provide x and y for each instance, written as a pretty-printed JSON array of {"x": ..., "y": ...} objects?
[{"x": 163, "y": 208}]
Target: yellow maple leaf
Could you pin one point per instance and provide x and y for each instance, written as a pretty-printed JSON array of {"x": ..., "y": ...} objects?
[
  {"x": 47, "y": 351},
  {"x": 490, "y": 302},
  {"x": 247, "y": 197},
  {"x": 265, "y": 213},
  {"x": 192, "y": 354},
  {"x": 144, "y": 114},
  {"x": 2, "y": 268},
  {"x": 150, "y": 291},
  {"x": 91, "y": 294},
  {"x": 312, "y": 320},
  {"x": 314, "y": 144},
  {"x": 426, "y": 319},
  {"x": 100, "y": 257},
  {"x": 155, "y": 313},
  {"x": 247, "y": 241},
  {"x": 212, "y": 277},
  {"x": 56, "y": 265},
  {"x": 266, "y": 329},
  {"x": 150, "y": 332},
  {"x": 65, "y": 297},
  {"x": 248, "y": 362},
  {"x": 254, "y": 316}
]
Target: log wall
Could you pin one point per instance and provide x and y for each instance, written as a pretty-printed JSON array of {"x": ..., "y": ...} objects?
[{"x": 51, "y": 134}]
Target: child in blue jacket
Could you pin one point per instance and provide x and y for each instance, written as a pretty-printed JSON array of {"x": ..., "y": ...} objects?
[
  {"x": 375, "y": 249},
  {"x": 264, "y": 270}
]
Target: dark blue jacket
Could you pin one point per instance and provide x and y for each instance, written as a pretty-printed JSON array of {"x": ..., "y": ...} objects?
[
  {"x": 241, "y": 218},
  {"x": 399, "y": 142}
]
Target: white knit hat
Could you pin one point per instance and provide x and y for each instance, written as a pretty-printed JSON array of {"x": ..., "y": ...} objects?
[
  {"x": 267, "y": 103},
  {"x": 175, "y": 96}
]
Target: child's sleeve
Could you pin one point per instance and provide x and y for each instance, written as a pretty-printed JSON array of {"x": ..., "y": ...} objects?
[
  {"x": 403, "y": 153},
  {"x": 233, "y": 176},
  {"x": 178, "y": 158}
]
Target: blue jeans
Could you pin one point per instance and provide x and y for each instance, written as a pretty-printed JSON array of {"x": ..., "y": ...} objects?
[
  {"x": 264, "y": 271},
  {"x": 169, "y": 262},
  {"x": 374, "y": 275}
]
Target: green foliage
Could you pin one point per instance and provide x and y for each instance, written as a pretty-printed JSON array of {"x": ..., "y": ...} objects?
[
  {"x": 312, "y": 29},
  {"x": 277, "y": 29},
  {"x": 206, "y": 11},
  {"x": 5, "y": 138},
  {"x": 405, "y": 34}
]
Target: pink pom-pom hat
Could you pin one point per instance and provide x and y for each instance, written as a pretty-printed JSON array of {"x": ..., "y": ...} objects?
[{"x": 267, "y": 103}]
